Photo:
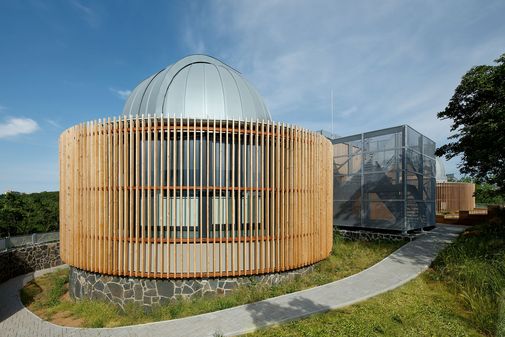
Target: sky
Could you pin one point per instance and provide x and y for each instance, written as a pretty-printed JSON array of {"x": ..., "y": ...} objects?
[{"x": 387, "y": 62}]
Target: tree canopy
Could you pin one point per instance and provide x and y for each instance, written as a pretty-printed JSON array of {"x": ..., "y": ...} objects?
[
  {"x": 477, "y": 110},
  {"x": 22, "y": 213}
]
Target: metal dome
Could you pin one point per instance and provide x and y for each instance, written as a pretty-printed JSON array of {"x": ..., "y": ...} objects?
[{"x": 197, "y": 86}]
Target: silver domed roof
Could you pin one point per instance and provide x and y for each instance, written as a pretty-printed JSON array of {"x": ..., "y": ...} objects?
[{"x": 197, "y": 86}]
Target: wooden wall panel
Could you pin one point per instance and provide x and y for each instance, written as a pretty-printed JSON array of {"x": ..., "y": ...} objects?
[
  {"x": 181, "y": 198},
  {"x": 454, "y": 197}
]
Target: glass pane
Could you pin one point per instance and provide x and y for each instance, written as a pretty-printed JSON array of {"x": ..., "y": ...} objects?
[
  {"x": 356, "y": 147},
  {"x": 382, "y": 161},
  {"x": 429, "y": 166},
  {"x": 414, "y": 139},
  {"x": 347, "y": 187},
  {"x": 429, "y": 188},
  {"x": 341, "y": 165},
  {"x": 383, "y": 142},
  {"x": 429, "y": 147},
  {"x": 380, "y": 186},
  {"x": 384, "y": 214},
  {"x": 341, "y": 149},
  {"x": 414, "y": 186},
  {"x": 414, "y": 161},
  {"x": 347, "y": 213},
  {"x": 419, "y": 214}
]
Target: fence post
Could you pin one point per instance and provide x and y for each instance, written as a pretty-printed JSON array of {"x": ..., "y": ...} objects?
[{"x": 34, "y": 238}]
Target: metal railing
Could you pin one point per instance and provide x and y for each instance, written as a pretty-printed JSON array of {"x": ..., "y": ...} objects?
[{"x": 27, "y": 240}]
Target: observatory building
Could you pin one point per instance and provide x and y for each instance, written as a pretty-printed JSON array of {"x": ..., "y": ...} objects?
[{"x": 192, "y": 189}]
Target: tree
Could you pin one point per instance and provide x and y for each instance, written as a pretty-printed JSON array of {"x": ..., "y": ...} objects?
[
  {"x": 477, "y": 110},
  {"x": 12, "y": 213},
  {"x": 22, "y": 213},
  {"x": 485, "y": 193}
]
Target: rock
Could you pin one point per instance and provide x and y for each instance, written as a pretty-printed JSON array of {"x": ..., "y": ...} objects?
[
  {"x": 116, "y": 290},
  {"x": 165, "y": 288}
]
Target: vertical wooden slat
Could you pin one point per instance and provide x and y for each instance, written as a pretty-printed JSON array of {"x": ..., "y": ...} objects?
[
  {"x": 233, "y": 199},
  {"x": 257, "y": 248},
  {"x": 156, "y": 200},
  {"x": 138, "y": 189},
  {"x": 187, "y": 204},
  {"x": 168, "y": 189},
  {"x": 251, "y": 197},
  {"x": 200, "y": 200},
  {"x": 194, "y": 207},
  {"x": 92, "y": 182},
  {"x": 214, "y": 188},
  {"x": 207, "y": 198},
  {"x": 226, "y": 203},
  {"x": 126, "y": 211},
  {"x": 174, "y": 194},
  {"x": 100, "y": 195},
  {"x": 262, "y": 174},
  {"x": 248, "y": 200},
  {"x": 109, "y": 258},
  {"x": 115, "y": 194},
  {"x": 148, "y": 191},
  {"x": 268, "y": 199},
  {"x": 131, "y": 200},
  {"x": 220, "y": 198},
  {"x": 180, "y": 217},
  {"x": 161, "y": 197},
  {"x": 240, "y": 250},
  {"x": 119, "y": 146}
]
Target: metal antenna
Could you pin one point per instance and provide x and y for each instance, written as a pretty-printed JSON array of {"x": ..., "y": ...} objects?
[{"x": 332, "y": 131}]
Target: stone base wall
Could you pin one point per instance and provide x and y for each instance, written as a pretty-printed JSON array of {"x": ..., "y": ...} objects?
[
  {"x": 374, "y": 236},
  {"x": 149, "y": 292},
  {"x": 27, "y": 259}
]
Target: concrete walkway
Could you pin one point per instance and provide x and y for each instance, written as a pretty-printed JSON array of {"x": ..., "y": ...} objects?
[{"x": 398, "y": 268}]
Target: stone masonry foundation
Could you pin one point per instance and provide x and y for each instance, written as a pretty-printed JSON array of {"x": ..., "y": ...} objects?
[{"x": 149, "y": 292}]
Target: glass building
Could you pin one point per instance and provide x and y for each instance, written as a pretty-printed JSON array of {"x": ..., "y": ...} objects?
[{"x": 384, "y": 180}]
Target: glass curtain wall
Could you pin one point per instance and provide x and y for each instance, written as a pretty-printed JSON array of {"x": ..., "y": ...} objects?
[{"x": 384, "y": 179}]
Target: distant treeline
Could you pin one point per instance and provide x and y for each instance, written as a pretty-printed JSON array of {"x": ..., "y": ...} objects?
[{"x": 24, "y": 213}]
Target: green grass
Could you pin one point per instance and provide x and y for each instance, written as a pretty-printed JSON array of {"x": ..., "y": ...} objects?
[
  {"x": 420, "y": 308},
  {"x": 463, "y": 294},
  {"x": 44, "y": 295}
]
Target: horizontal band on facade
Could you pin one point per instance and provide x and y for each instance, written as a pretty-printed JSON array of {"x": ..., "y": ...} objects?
[
  {"x": 191, "y": 188},
  {"x": 191, "y": 240}
]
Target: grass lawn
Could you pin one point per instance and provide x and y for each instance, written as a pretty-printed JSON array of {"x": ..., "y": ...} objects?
[
  {"x": 463, "y": 294},
  {"x": 47, "y": 296}
]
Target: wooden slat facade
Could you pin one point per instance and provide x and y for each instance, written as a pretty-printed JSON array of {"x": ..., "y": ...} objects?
[
  {"x": 179, "y": 198},
  {"x": 455, "y": 196}
]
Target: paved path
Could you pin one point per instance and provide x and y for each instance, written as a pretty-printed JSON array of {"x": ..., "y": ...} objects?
[{"x": 398, "y": 268}]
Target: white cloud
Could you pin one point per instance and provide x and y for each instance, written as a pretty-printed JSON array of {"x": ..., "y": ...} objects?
[
  {"x": 87, "y": 13},
  {"x": 17, "y": 126},
  {"x": 382, "y": 62},
  {"x": 123, "y": 94}
]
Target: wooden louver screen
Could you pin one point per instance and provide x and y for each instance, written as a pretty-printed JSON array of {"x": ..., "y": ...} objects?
[
  {"x": 172, "y": 197},
  {"x": 454, "y": 197}
]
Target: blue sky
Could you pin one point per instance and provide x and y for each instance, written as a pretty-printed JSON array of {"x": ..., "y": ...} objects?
[{"x": 387, "y": 62}]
